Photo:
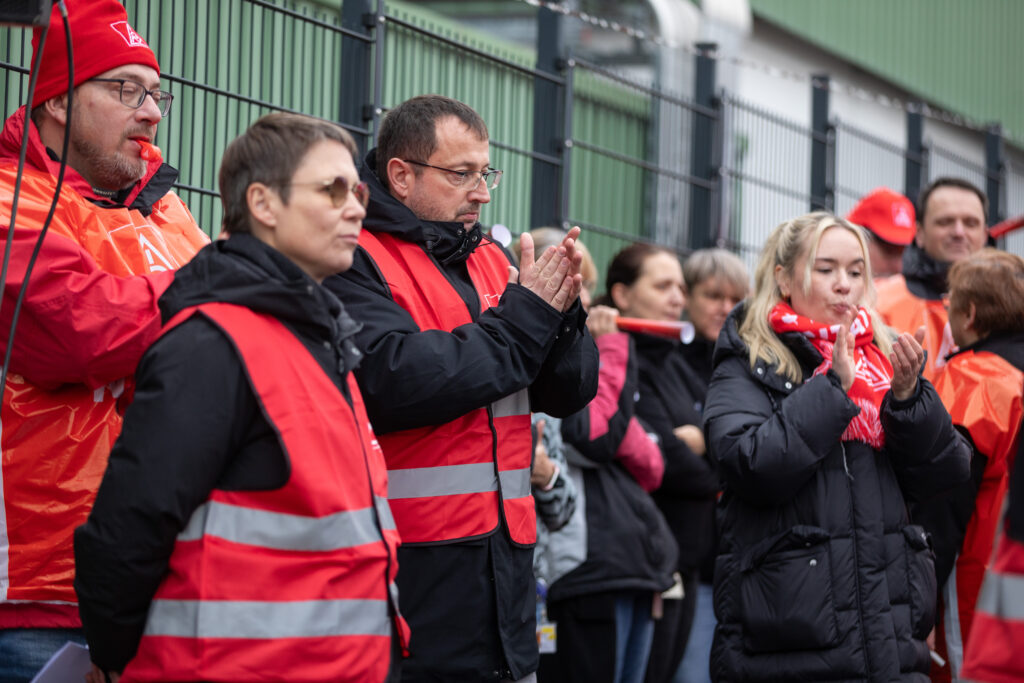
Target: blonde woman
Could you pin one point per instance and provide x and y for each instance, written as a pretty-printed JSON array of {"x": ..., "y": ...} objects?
[{"x": 822, "y": 429}]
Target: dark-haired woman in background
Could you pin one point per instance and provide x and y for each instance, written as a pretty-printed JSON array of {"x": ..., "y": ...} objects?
[{"x": 645, "y": 281}]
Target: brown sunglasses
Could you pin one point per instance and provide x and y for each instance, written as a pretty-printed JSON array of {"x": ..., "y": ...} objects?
[{"x": 338, "y": 189}]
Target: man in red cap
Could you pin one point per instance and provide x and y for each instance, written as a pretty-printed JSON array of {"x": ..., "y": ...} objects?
[
  {"x": 90, "y": 311},
  {"x": 889, "y": 219},
  {"x": 951, "y": 227}
]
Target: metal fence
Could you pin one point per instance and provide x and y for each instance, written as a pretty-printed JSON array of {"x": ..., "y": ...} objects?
[{"x": 579, "y": 143}]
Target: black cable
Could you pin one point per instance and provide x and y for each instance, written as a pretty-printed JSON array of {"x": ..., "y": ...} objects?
[
  {"x": 53, "y": 204},
  {"x": 23, "y": 153}
]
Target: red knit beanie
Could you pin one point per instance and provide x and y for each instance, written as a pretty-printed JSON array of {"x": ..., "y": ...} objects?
[{"x": 101, "y": 38}]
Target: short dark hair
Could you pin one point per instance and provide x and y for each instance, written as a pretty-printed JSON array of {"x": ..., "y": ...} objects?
[
  {"x": 949, "y": 181},
  {"x": 409, "y": 131},
  {"x": 269, "y": 152},
  {"x": 627, "y": 266}
]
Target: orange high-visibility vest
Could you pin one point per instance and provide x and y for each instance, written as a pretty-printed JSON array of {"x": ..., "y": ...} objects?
[
  {"x": 983, "y": 393},
  {"x": 905, "y": 312},
  {"x": 71, "y": 428},
  {"x": 295, "y": 583},
  {"x": 447, "y": 482}
]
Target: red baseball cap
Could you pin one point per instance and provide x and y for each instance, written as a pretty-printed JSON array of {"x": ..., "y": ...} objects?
[
  {"x": 102, "y": 40},
  {"x": 887, "y": 214}
]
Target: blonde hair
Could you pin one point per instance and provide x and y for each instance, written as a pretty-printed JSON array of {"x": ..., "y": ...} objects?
[{"x": 783, "y": 248}]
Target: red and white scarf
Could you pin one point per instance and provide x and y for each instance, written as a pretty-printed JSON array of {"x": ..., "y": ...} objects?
[{"x": 872, "y": 370}]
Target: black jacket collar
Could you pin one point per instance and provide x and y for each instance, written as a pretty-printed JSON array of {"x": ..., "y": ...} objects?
[
  {"x": 925, "y": 277},
  {"x": 446, "y": 242},
  {"x": 244, "y": 271},
  {"x": 1007, "y": 345}
]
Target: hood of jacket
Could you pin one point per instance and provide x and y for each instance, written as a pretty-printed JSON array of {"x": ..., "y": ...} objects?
[
  {"x": 925, "y": 277},
  {"x": 244, "y": 271},
  {"x": 448, "y": 242},
  {"x": 141, "y": 196},
  {"x": 731, "y": 344}
]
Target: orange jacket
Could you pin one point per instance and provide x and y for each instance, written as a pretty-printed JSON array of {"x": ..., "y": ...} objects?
[
  {"x": 318, "y": 555},
  {"x": 905, "y": 312},
  {"x": 445, "y": 481},
  {"x": 89, "y": 314},
  {"x": 983, "y": 394}
]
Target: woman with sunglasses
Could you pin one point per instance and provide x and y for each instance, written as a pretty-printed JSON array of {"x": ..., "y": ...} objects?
[{"x": 241, "y": 531}]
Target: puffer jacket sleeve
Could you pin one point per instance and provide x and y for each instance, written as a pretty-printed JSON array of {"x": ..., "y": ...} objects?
[
  {"x": 767, "y": 446},
  {"x": 928, "y": 454}
]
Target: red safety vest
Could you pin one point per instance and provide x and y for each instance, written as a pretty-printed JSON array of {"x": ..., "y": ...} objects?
[
  {"x": 905, "y": 312},
  {"x": 995, "y": 647},
  {"x": 983, "y": 393},
  {"x": 446, "y": 482},
  {"x": 293, "y": 584},
  {"x": 73, "y": 426}
]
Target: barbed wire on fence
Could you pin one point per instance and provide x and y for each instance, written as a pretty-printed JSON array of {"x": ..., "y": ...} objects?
[{"x": 835, "y": 86}]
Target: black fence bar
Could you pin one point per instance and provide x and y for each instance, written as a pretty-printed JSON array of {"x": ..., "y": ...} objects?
[
  {"x": 647, "y": 90},
  {"x": 994, "y": 178},
  {"x": 916, "y": 154},
  {"x": 702, "y": 232},
  {"x": 344, "y": 30},
  {"x": 548, "y": 137},
  {"x": 472, "y": 50},
  {"x": 567, "y": 130},
  {"x": 646, "y": 165},
  {"x": 354, "y": 88},
  {"x": 822, "y": 192}
]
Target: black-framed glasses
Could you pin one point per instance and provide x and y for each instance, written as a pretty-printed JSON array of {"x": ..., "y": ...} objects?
[
  {"x": 463, "y": 178},
  {"x": 133, "y": 94},
  {"x": 338, "y": 188}
]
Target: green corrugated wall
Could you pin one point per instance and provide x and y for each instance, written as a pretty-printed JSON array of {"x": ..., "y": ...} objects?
[{"x": 964, "y": 55}]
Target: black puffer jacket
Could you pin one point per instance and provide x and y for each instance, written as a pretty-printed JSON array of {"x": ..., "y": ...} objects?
[
  {"x": 673, "y": 386},
  {"x": 819, "y": 575}
]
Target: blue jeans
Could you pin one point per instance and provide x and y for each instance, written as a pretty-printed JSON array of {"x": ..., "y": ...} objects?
[
  {"x": 695, "y": 664},
  {"x": 24, "y": 651},
  {"x": 634, "y": 633}
]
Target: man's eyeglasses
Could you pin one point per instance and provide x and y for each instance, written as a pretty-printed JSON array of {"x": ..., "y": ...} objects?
[
  {"x": 468, "y": 180},
  {"x": 133, "y": 94},
  {"x": 338, "y": 189}
]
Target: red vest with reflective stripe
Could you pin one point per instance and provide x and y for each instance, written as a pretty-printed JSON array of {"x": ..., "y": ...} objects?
[
  {"x": 905, "y": 312},
  {"x": 982, "y": 393},
  {"x": 293, "y": 584},
  {"x": 446, "y": 482},
  {"x": 995, "y": 647}
]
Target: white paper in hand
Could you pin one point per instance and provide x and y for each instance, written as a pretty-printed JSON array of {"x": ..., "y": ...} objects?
[{"x": 70, "y": 663}]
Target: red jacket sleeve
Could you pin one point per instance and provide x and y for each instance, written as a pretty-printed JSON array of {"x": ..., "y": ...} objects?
[{"x": 78, "y": 323}]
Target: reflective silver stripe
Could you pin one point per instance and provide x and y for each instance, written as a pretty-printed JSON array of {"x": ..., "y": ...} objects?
[
  {"x": 282, "y": 531},
  {"x": 248, "y": 619},
  {"x": 951, "y": 612},
  {"x": 446, "y": 480},
  {"x": 515, "y": 483},
  {"x": 513, "y": 404},
  {"x": 1002, "y": 596}
]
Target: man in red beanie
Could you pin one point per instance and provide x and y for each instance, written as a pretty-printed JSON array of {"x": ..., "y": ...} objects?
[
  {"x": 889, "y": 219},
  {"x": 90, "y": 310}
]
